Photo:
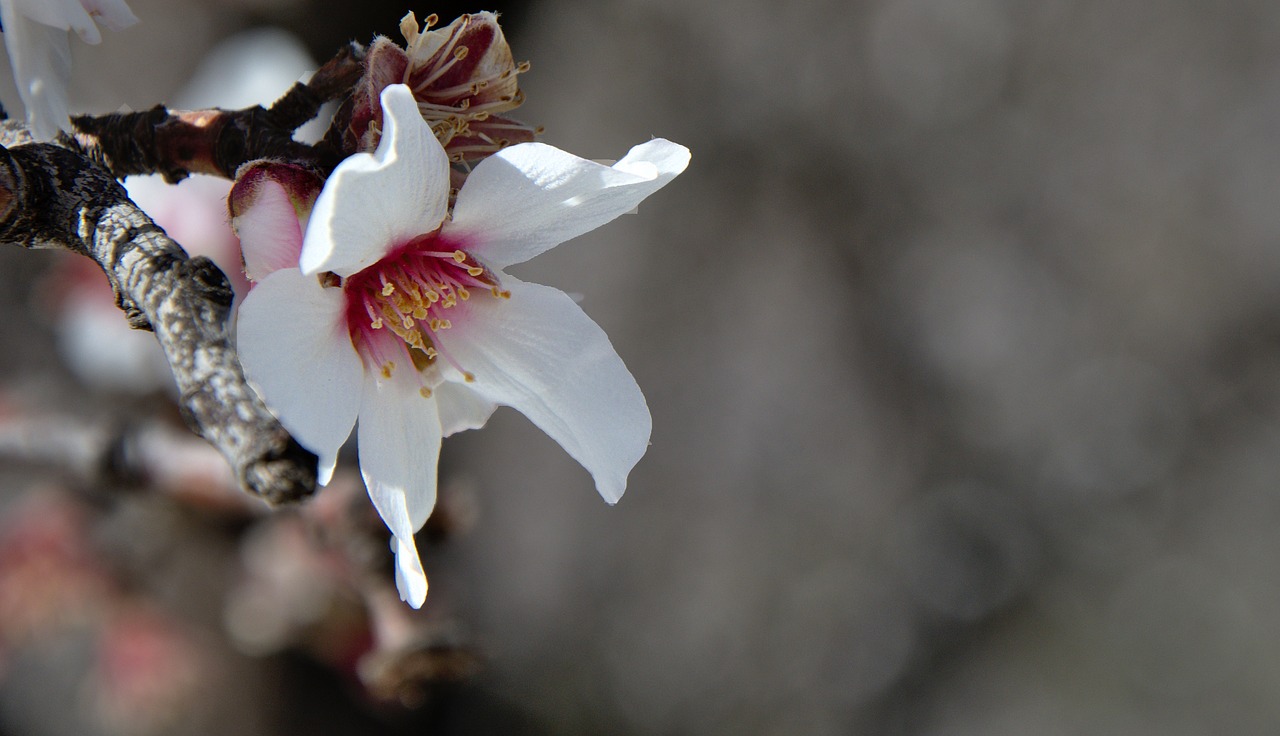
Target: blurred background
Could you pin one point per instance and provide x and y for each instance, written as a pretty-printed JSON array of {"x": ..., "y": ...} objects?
[{"x": 961, "y": 336}]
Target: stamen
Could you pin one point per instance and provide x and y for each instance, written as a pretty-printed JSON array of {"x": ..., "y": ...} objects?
[{"x": 407, "y": 294}]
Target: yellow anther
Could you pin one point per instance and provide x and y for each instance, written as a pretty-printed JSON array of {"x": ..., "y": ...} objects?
[
  {"x": 431, "y": 352},
  {"x": 463, "y": 294},
  {"x": 475, "y": 270},
  {"x": 505, "y": 294},
  {"x": 437, "y": 325},
  {"x": 407, "y": 321},
  {"x": 388, "y": 289},
  {"x": 494, "y": 290},
  {"x": 420, "y": 313},
  {"x": 432, "y": 296},
  {"x": 460, "y": 53},
  {"x": 424, "y": 392},
  {"x": 468, "y": 377},
  {"x": 376, "y": 324},
  {"x": 431, "y": 20},
  {"x": 387, "y": 368},
  {"x": 460, "y": 256}
]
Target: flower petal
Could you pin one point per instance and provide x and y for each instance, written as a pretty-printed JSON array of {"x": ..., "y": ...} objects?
[
  {"x": 41, "y": 60},
  {"x": 531, "y": 197},
  {"x": 61, "y": 14},
  {"x": 114, "y": 14},
  {"x": 270, "y": 233},
  {"x": 399, "y": 449},
  {"x": 294, "y": 346},
  {"x": 461, "y": 408},
  {"x": 541, "y": 354},
  {"x": 375, "y": 202},
  {"x": 411, "y": 580}
]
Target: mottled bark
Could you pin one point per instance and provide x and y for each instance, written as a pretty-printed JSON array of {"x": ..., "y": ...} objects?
[{"x": 54, "y": 197}]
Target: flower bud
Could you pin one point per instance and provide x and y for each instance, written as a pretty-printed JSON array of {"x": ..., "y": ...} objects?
[{"x": 269, "y": 205}]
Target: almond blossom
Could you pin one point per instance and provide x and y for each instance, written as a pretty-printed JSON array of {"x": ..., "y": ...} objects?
[
  {"x": 35, "y": 35},
  {"x": 399, "y": 313}
]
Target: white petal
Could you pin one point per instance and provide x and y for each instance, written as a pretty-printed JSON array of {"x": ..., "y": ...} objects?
[
  {"x": 531, "y": 197},
  {"x": 114, "y": 14},
  {"x": 461, "y": 408},
  {"x": 375, "y": 202},
  {"x": 399, "y": 449},
  {"x": 61, "y": 14},
  {"x": 41, "y": 60},
  {"x": 411, "y": 580},
  {"x": 270, "y": 233},
  {"x": 295, "y": 348},
  {"x": 540, "y": 353}
]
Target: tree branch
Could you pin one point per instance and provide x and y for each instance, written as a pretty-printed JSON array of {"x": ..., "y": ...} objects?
[
  {"x": 52, "y": 197},
  {"x": 176, "y": 143}
]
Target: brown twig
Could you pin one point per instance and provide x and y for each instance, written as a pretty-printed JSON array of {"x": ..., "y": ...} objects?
[
  {"x": 53, "y": 197},
  {"x": 177, "y": 143}
]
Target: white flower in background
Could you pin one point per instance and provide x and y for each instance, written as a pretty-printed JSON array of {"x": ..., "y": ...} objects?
[
  {"x": 35, "y": 35},
  {"x": 404, "y": 318}
]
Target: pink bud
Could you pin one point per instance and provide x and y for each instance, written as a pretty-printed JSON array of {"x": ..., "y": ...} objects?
[{"x": 270, "y": 205}]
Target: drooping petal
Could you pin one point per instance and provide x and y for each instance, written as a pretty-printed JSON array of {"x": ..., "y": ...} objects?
[
  {"x": 541, "y": 354},
  {"x": 399, "y": 449},
  {"x": 531, "y": 197},
  {"x": 411, "y": 580},
  {"x": 375, "y": 202},
  {"x": 41, "y": 60},
  {"x": 294, "y": 346},
  {"x": 461, "y": 408}
]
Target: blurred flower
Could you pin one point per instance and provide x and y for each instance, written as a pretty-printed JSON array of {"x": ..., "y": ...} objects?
[
  {"x": 461, "y": 76},
  {"x": 147, "y": 672},
  {"x": 404, "y": 318},
  {"x": 35, "y": 35},
  {"x": 50, "y": 576}
]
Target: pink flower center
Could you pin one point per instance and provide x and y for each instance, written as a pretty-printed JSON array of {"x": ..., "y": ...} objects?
[{"x": 412, "y": 294}]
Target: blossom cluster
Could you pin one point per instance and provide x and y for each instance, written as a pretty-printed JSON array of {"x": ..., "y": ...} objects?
[{"x": 380, "y": 299}]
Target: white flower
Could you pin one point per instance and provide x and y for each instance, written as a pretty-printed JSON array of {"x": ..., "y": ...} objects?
[
  {"x": 35, "y": 35},
  {"x": 404, "y": 318}
]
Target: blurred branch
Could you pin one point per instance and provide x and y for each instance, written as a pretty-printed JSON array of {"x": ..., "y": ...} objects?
[
  {"x": 99, "y": 454},
  {"x": 52, "y": 197}
]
